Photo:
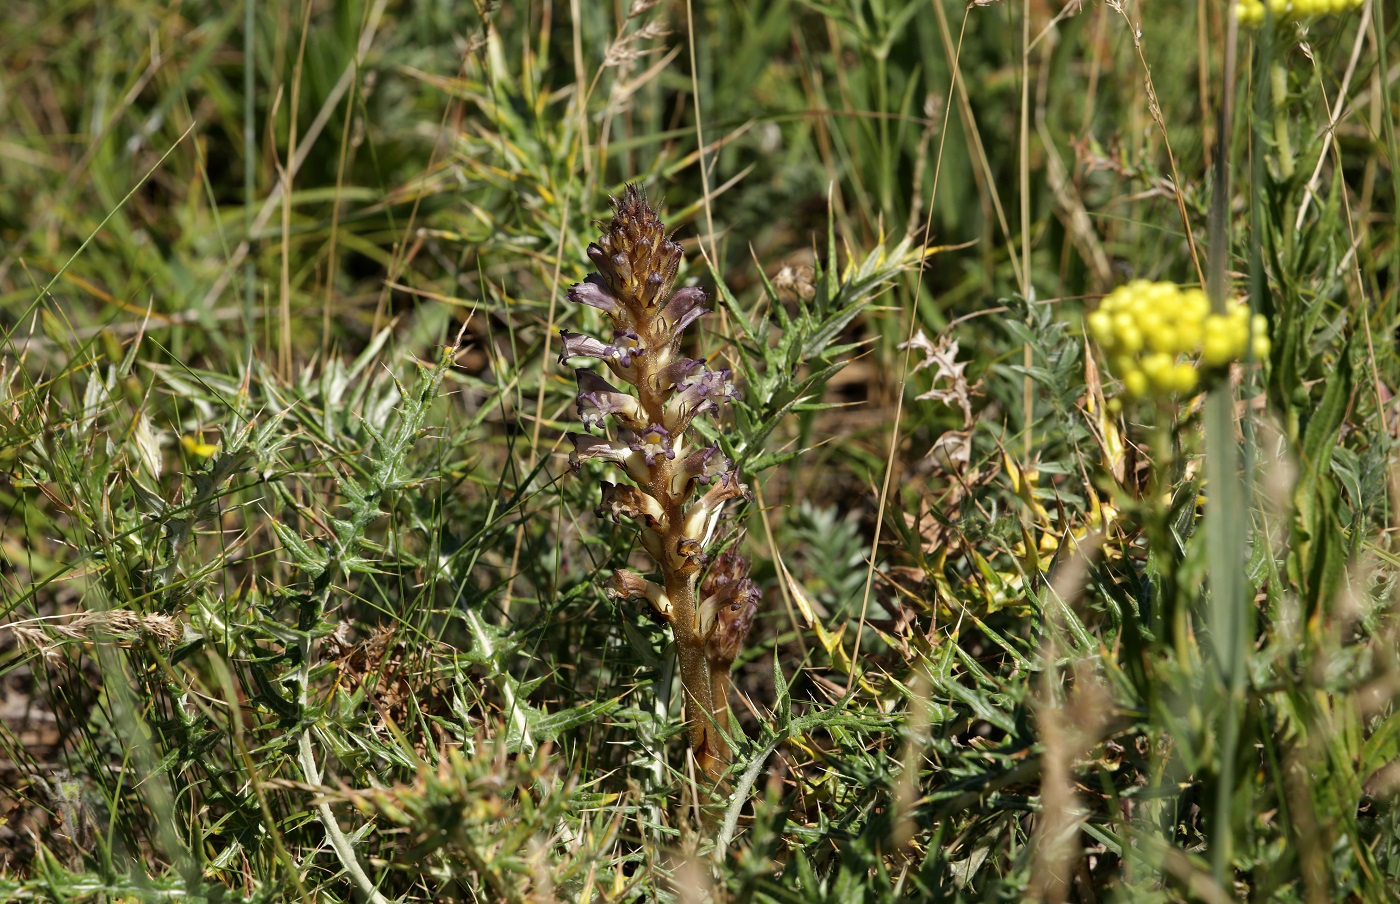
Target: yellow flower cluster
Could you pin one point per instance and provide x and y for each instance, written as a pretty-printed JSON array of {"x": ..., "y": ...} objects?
[
  {"x": 1153, "y": 332},
  {"x": 1252, "y": 12}
]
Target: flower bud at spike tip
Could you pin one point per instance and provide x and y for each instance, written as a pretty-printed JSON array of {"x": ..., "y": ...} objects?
[{"x": 646, "y": 417}]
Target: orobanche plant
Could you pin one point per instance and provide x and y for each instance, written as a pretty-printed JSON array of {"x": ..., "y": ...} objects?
[{"x": 681, "y": 484}]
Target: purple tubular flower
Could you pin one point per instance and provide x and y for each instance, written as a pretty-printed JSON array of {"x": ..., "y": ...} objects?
[
  {"x": 622, "y": 265},
  {"x": 577, "y": 345},
  {"x": 730, "y": 614},
  {"x": 728, "y": 568},
  {"x": 627, "y": 584},
  {"x": 729, "y": 602},
  {"x": 698, "y": 517},
  {"x": 619, "y": 501},
  {"x": 698, "y": 394},
  {"x": 653, "y": 543},
  {"x": 593, "y": 291},
  {"x": 626, "y": 346},
  {"x": 677, "y": 373},
  {"x": 727, "y": 487},
  {"x": 654, "y": 441},
  {"x": 597, "y": 398},
  {"x": 684, "y": 308},
  {"x": 621, "y": 357},
  {"x": 689, "y": 556},
  {"x": 652, "y": 288},
  {"x": 665, "y": 261},
  {"x": 701, "y": 466},
  {"x": 588, "y": 447},
  {"x": 615, "y": 271}
]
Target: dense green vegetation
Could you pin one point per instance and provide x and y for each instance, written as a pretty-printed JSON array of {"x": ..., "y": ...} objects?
[{"x": 300, "y": 599}]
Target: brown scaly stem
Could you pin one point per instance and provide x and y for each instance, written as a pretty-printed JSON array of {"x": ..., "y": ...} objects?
[
  {"x": 701, "y": 715},
  {"x": 651, "y": 441}
]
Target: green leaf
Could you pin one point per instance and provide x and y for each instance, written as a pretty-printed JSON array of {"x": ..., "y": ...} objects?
[
  {"x": 782, "y": 707},
  {"x": 549, "y": 726}
]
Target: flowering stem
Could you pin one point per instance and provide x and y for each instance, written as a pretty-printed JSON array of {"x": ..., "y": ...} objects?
[
  {"x": 711, "y": 751},
  {"x": 709, "y": 604}
]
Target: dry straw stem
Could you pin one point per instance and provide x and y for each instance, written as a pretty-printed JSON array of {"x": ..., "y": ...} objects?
[
  {"x": 1069, "y": 723},
  {"x": 120, "y": 626}
]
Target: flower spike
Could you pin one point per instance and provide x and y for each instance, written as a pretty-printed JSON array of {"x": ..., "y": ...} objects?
[{"x": 653, "y": 411}]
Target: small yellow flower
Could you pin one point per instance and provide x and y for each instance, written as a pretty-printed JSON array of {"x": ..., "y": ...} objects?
[{"x": 196, "y": 448}]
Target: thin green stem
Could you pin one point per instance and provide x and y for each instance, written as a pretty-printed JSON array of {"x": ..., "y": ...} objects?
[{"x": 1230, "y": 607}]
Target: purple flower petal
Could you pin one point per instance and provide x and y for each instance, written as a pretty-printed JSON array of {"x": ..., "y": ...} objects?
[
  {"x": 593, "y": 291},
  {"x": 577, "y": 345},
  {"x": 677, "y": 373},
  {"x": 698, "y": 394},
  {"x": 653, "y": 442},
  {"x": 597, "y": 398},
  {"x": 684, "y": 308},
  {"x": 588, "y": 447},
  {"x": 701, "y": 466},
  {"x": 620, "y": 500},
  {"x": 626, "y": 346}
]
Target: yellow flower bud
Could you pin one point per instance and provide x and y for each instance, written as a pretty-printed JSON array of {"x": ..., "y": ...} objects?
[
  {"x": 1239, "y": 337},
  {"x": 1129, "y": 338},
  {"x": 1135, "y": 381},
  {"x": 1188, "y": 337},
  {"x": 1217, "y": 350},
  {"x": 1184, "y": 377},
  {"x": 196, "y": 448},
  {"x": 1101, "y": 327},
  {"x": 1158, "y": 370},
  {"x": 1163, "y": 340}
]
